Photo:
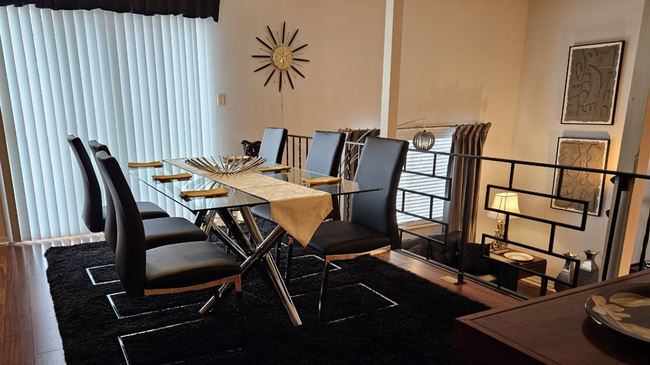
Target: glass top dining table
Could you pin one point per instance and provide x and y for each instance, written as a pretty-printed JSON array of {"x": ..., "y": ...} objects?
[
  {"x": 253, "y": 249},
  {"x": 235, "y": 198}
]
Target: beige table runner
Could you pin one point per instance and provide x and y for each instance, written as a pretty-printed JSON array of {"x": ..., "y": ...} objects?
[{"x": 298, "y": 209}]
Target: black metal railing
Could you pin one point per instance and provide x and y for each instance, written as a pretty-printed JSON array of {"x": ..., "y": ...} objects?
[
  {"x": 513, "y": 166},
  {"x": 297, "y": 150}
]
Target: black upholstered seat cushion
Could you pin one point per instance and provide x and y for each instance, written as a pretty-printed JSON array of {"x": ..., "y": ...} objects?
[
  {"x": 187, "y": 264},
  {"x": 343, "y": 237},
  {"x": 149, "y": 210},
  {"x": 179, "y": 266},
  {"x": 159, "y": 228},
  {"x": 262, "y": 211},
  {"x": 164, "y": 231}
]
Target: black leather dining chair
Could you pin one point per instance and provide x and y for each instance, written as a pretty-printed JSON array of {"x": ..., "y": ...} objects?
[
  {"x": 372, "y": 228},
  {"x": 93, "y": 212},
  {"x": 273, "y": 143},
  {"x": 173, "y": 268},
  {"x": 323, "y": 157},
  {"x": 158, "y": 231}
]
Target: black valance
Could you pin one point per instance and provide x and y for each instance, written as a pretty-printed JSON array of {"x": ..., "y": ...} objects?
[{"x": 186, "y": 8}]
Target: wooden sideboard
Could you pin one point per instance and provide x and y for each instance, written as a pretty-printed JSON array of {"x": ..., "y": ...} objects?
[{"x": 554, "y": 329}]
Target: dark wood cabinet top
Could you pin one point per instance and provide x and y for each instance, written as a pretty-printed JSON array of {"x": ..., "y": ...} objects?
[{"x": 554, "y": 329}]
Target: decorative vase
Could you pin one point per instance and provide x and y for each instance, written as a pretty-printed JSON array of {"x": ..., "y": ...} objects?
[
  {"x": 588, "y": 270},
  {"x": 251, "y": 149},
  {"x": 566, "y": 274}
]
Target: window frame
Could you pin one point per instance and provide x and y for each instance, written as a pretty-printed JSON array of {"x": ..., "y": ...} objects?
[{"x": 421, "y": 162}]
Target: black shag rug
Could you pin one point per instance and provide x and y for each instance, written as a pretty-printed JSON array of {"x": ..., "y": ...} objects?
[{"x": 376, "y": 313}]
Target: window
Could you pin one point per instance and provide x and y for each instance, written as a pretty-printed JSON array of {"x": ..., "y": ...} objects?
[
  {"x": 140, "y": 84},
  {"x": 418, "y": 207}
]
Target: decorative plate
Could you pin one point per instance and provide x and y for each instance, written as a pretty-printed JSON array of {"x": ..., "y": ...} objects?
[
  {"x": 518, "y": 256},
  {"x": 623, "y": 309}
]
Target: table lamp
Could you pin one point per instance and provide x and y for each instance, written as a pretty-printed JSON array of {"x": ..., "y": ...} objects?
[{"x": 508, "y": 202}]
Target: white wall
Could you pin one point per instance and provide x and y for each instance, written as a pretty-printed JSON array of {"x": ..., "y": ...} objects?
[
  {"x": 342, "y": 87},
  {"x": 552, "y": 27}
]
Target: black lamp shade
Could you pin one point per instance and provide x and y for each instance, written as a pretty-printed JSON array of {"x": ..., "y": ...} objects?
[{"x": 424, "y": 140}]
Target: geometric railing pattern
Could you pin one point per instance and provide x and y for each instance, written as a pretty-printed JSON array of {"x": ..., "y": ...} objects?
[{"x": 298, "y": 146}]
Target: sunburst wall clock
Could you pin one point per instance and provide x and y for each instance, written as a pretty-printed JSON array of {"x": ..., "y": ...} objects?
[{"x": 281, "y": 56}]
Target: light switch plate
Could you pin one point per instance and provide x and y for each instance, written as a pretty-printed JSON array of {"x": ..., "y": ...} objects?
[{"x": 221, "y": 99}]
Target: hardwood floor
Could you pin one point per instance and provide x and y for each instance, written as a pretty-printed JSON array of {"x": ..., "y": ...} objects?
[
  {"x": 30, "y": 333},
  {"x": 28, "y": 327}
]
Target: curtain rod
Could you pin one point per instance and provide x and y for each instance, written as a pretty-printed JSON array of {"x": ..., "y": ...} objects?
[
  {"x": 431, "y": 126},
  {"x": 341, "y": 130}
]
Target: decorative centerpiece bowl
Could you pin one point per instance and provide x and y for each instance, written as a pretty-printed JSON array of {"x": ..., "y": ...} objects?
[{"x": 227, "y": 165}]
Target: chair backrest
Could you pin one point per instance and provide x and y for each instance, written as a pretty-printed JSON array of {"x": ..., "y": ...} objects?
[
  {"x": 130, "y": 253},
  {"x": 380, "y": 165},
  {"x": 91, "y": 214},
  {"x": 96, "y": 147},
  {"x": 273, "y": 144},
  {"x": 324, "y": 155},
  {"x": 110, "y": 224}
]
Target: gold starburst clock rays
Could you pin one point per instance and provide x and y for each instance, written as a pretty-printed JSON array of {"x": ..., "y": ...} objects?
[{"x": 281, "y": 56}]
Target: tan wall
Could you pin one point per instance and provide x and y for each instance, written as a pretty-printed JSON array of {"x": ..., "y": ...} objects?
[
  {"x": 552, "y": 27},
  {"x": 501, "y": 61},
  {"x": 342, "y": 87},
  {"x": 461, "y": 63}
]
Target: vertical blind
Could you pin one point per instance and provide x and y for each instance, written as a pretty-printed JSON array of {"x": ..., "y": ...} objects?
[{"x": 139, "y": 84}]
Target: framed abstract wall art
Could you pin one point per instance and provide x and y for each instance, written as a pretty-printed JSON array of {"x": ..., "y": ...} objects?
[
  {"x": 592, "y": 83},
  {"x": 580, "y": 185}
]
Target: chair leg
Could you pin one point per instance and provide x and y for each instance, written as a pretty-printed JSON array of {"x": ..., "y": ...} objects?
[
  {"x": 287, "y": 272},
  {"x": 323, "y": 290},
  {"x": 240, "y": 298},
  {"x": 212, "y": 303},
  {"x": 278, "y": 252},
  {"x": 240, "y": 308}
]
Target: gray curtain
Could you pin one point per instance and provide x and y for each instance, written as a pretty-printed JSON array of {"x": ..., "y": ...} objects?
[{"x": 468, "y": 139}]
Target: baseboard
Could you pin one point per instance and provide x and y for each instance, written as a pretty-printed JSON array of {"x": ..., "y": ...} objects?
[{"x": 70, "y": 240}]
